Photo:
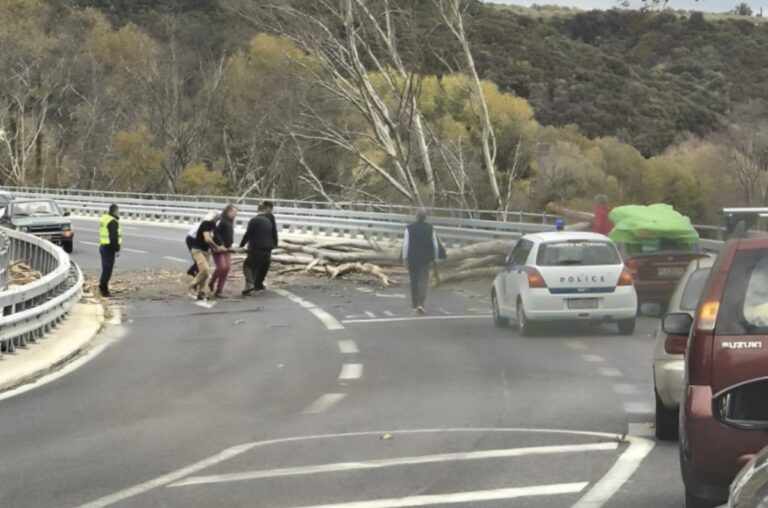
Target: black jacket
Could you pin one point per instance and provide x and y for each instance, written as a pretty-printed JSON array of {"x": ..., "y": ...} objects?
[
  {"x": 114, "y": 235},
  {"x": 274, "y": 228},
  {"x": 420, "y": 248},
  {"x": 259, "y": 235},
  {"x": 225, "y": 232}
]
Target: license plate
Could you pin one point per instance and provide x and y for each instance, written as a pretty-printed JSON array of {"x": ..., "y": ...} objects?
[
  {"x": 582, "y": 303},
  {"x": 671, "y": 271}
]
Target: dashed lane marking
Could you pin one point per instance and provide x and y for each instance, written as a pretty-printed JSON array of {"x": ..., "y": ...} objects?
[
  {"x": 348, "y": 347},
  {"x": 370, "y": 314},
  {"x": 609, "y": 372},
  {"x": 575, "y": 344},
  {"x": 444, "y": 312},
  {"x": 323, "y": 404},
  {"x": 415, "y": 318},
  {"x": 177, "y": 260},
  {"x": 134, "y": 251},
  {"x": 393, "y": 295},
  {"x": 592, "y": 358},
  {"x": 94, "y": 244},
  {"x": 637, "y": 408},
  {"x": 330, "y": 322},
  {"x": 351, "y": 371},
  {"x": 400, "y": 461},
  {"x": 389, "y": 313}
]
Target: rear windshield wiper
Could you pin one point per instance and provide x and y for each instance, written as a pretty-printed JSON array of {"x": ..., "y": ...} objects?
[{"x": 569, "y": 262}]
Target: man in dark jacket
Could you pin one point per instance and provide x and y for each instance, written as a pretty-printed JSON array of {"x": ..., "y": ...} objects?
[
  {"x": 110, "y": 239},
  {"x": 420, "y": 249},
  {"x": 271, "y": 215},
  {"x": 260, "y": 241}
]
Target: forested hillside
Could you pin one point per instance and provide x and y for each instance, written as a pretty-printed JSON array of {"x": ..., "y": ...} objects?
[{"x": 450, "y": 102}]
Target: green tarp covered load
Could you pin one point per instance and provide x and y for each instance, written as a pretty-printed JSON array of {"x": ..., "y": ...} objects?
[{"x": 649, "y": 225}]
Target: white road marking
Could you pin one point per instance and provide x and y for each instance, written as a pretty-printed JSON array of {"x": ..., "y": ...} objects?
[
  {"x": 444, "y": 312},
  {"x": 609, "y": 372},
  {"x": 389, "y": 313},
  {"x": 323, "y": 404},
  {"x": 330, "y": 322},
  {"x": 177, "y": 260},
  {"x": 592, "y": 358},
  {"x": 618, "y": 475},
  {"x": 609, "y": 484},
  {"x": 134, "y": 251},
  {"x": 625, "y": 389},
  {"x": 348, "y": 347},
  {"x": 575, "y": 344},
  {"x": 414, "y": 318},
  {"x": 401, "y": 461},
  {"x": 94, "y": 244},
  {"x": 393, "y": 295},
  {"x": 205, "y": 304},
  {"x": 364, "y": 290},
  {"x": 351, "y": 371},
  {"x": 463, "y": 497},
  {"x": 637, "y": 408},
  {"x": 370, "y": 314}
]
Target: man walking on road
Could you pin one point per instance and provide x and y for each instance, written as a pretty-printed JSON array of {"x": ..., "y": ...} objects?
[
  {"x": 203, "y": 243},
  {"x": 110, "y": 239},
  {"x": 271, "y": 216},
  {"x": 420, "y": 249},
  {"x": 259, "y": 237}
]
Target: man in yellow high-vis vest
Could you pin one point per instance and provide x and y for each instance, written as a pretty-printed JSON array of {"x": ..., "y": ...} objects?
[{"x": 110, "y": 240}]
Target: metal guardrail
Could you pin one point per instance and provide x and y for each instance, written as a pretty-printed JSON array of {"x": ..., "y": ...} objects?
[
  {"x": 5, "y": 259},
  {"x": 31, "y": 310},
  {"x": 457, "y": 227},
  {"x": 317, "y": 208}
]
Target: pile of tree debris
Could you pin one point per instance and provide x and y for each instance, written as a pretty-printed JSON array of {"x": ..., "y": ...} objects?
[
  {"x": 20, "y": 273},
  {"x": 335, "y": 257}
]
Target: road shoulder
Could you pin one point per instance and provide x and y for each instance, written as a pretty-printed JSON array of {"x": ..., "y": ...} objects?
[{"x": 68, "y": 340}]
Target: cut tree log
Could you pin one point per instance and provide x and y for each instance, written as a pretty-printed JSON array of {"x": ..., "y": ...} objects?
[
  {"x": 476, "y": 273},
  {"x": 495, "y": 247}
]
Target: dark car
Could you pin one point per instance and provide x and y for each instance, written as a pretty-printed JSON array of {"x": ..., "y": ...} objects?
[
  {"x": 40, "y": 217},
  {"x": 724, "y": 410},
  {"x": 657, "y": 270},
  {"x": 750, "y": 488}
]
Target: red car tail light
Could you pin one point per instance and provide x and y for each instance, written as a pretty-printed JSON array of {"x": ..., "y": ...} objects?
[
  {"x": 675, "y": 345},
  {"x": 625, "y": 279},
  {"x": 535, "y": 280},
  {"x": 631, "y": 266}
]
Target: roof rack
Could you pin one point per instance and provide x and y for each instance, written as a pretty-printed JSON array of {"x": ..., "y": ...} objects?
[{"x": 739, "y": 220}]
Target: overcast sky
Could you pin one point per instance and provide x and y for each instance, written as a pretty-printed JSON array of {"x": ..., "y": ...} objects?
[{"x": 701, "y": 5}]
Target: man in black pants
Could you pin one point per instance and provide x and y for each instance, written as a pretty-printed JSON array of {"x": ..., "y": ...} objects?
[
  {"x": 420, "y": 248},
  {"x": 110, "y": 239},
  {"x": 271, "y": 216},
  {"x": 260, "y": 241}
]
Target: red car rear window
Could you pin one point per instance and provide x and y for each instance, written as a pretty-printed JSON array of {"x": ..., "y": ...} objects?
[{"x": 744, "y": 306}]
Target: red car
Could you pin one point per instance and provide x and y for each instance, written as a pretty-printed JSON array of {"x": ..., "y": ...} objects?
[
  {"x": 724, "y": 410},
  {"x": 657, "y": 272}
]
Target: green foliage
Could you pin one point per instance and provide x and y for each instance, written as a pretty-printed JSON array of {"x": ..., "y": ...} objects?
[
  {"x": 199, "y": 180},
  {"x": 135, "y": 164}
]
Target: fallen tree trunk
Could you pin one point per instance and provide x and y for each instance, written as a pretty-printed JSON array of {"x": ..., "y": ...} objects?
[{"x": 476, "y": 273}]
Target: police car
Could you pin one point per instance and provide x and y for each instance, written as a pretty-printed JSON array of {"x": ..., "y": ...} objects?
[{"x": 564, "y": 276}]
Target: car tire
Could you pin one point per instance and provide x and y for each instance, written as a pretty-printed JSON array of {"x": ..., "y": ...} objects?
[
  {"x": 627, "y": 326},
  {"x": 524, "y": 326},
  {"x": 68, "y": 247},
  {"x": 667, "y": 421},
  {"x": 692, "y": 501},
  {"x": 498, "y": 319}
]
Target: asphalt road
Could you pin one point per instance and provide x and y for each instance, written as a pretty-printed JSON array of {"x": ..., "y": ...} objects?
[{"x": 335, "y": 397}]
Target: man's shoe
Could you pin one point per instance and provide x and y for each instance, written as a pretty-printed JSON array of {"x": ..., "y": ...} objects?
[
  {"x": 217, "y": 294},
  {"x": 105, "y": 293},
  {"x": 247, "y": 291},
  {"x": 201, "y": 297},
  {"x": 192, "y": 271},
  {"x": 420, "y": 310}
]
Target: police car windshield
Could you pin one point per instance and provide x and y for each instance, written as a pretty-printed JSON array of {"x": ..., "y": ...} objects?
[{"x": 578, "y": 253}]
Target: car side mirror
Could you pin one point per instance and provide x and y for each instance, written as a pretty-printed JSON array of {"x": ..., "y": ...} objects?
[
  {"x": 66, "y": 214},
  {"x": 677, "y": 323},
  {"x": 743, "y": 406}
]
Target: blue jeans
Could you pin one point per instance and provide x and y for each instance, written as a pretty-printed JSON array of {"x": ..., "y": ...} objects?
[{"x": 107, "y": 265}]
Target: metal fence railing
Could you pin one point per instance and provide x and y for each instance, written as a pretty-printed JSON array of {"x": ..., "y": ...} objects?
[
  {"x": 31, "y": 310},
  {"x": 5, "y": 259}
]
